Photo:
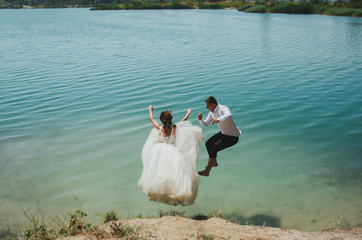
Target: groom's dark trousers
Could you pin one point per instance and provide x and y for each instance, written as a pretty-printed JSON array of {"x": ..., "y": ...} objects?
[{"x": 219, "y": 142}]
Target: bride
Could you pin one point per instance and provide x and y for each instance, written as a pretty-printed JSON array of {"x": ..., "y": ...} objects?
[{"x": 169, "y": 159}]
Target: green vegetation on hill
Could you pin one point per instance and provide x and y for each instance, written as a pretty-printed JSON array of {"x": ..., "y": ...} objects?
[
  {"x": 339, "y": 8},
  {"x": 138, "y": 4},
  {"x": 344, "y": 12},
  {"x": 256, "y": 9},
  {"x": 302, "y": 8}
]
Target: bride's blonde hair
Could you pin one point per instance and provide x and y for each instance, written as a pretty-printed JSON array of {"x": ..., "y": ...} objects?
[{"x": 166, "y": 119}]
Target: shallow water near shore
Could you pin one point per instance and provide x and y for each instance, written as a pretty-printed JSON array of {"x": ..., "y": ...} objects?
[{"x": 75, "y": 86}]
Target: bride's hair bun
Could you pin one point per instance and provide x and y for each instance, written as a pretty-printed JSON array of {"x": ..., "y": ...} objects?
[{"x": 166, "y": 119}]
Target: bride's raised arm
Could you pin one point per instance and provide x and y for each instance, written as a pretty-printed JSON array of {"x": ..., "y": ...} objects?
[
  {"x": 187, "y": 115},
  {"x": 154, "y": 122}
]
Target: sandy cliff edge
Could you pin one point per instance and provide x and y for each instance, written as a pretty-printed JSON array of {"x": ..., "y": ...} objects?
[{"x": 177, "y": 227}]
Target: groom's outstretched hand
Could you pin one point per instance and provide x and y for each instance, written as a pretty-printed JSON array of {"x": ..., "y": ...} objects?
[
  {"x": 199, "y": 116},
  {"x": 214, "y": 120}
]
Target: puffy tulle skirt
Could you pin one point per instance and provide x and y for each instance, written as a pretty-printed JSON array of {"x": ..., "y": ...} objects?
[{"x": 169, "y": 172}]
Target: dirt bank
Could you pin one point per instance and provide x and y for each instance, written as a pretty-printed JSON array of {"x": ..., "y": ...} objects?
[{"x": 213, "y": 228}]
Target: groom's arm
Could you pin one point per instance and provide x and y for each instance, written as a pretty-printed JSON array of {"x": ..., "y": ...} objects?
[
  {"x": 205, "y": 122},
  {"x": 225, "y": 113}
]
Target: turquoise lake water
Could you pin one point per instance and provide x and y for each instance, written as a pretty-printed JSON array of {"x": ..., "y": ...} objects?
[{"x": 75, "y": 86}]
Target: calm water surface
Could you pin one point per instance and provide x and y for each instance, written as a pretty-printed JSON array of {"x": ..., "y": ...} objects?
[{"x": 75, "y": 86}]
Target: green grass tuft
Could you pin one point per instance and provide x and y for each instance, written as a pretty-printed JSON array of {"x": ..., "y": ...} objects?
[
  {"x": 171, "y": 213},
  {"x": 36, "y": 228},
  {"x": 118, "y": 230},
  {"x": 110, "y": 216},
  {"x": 76, "y": 224},
  {"x": 206, "y": 237}
]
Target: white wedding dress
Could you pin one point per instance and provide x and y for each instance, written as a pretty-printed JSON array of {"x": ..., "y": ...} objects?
[{"x": 169, "y": 172}]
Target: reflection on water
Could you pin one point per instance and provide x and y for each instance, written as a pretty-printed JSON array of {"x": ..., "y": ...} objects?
[{"x": 74, "y": 117}]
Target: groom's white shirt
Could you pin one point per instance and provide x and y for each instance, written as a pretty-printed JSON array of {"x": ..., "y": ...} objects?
[{"x": 226, "y": 122}]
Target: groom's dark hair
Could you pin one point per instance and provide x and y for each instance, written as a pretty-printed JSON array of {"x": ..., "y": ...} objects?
[{"x": 211, "y": 100}]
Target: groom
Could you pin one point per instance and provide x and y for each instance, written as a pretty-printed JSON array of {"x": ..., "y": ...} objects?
[{"x": 227, "y": 137}]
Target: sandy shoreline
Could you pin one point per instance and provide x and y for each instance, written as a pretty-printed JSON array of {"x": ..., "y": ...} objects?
[{"x": 177, "y": 227}]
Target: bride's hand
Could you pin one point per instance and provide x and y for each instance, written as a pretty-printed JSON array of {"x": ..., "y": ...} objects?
[
  {"x": 189, "y": 110},
  {"x": 150, "y": 108}
]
